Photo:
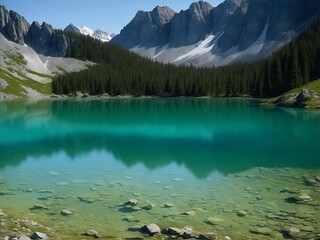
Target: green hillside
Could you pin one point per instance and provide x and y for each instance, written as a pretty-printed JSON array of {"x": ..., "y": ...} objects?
[{"x": 291, "y": 99}]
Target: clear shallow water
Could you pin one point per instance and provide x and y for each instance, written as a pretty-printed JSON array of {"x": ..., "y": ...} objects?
[{"x": 213, "y": 157}]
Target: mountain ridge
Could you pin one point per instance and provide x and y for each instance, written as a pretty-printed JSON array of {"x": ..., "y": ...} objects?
[
  {"x": 97, "y": 34},
  {"x": 235, "y": 29}
]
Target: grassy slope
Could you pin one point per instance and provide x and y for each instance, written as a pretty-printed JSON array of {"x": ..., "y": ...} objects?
[
  {"x": 313, "y": 103},
  {"x": 17, "y": 79},
  {"x": 15, "y": 84}
]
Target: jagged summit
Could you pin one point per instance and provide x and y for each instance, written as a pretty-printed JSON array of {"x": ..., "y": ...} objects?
[
  {"x": 200, "y": 7},
  {"x": 72, "y": 28},
  {"x": 13, "y": 26},
  {"x": 203, "y": 35},
  {"x": 162, "y": 15}
]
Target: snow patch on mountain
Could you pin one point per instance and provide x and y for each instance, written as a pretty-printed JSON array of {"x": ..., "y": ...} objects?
[
  {"x": 203, "y": 47},
  {"x": 97, "y": 34},
  {"x": 86, "y": 31}
]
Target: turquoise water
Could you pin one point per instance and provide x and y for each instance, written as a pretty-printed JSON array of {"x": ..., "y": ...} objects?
[{"x": 213, "y": 157}]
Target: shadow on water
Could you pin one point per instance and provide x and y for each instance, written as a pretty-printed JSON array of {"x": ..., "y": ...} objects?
[{"x": 205, "y": 135}]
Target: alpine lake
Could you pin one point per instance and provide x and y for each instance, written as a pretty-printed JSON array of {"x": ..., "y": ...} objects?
[{"x": 228, "y": 166}]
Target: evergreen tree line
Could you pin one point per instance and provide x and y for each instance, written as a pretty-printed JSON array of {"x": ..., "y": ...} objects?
[{"x": 120, "y": 72}]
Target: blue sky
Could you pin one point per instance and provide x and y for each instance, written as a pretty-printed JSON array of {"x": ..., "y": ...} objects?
[{"x": 107, "y": 15}]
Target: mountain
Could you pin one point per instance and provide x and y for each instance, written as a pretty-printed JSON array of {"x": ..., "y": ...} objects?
[
  {"x": 24, "y": 73},
  {"x": 203, "y": 35},
  {"x": 42, "y": 38},
  {"x": 97, "y": 34},
  {"x": 30, "y": 56}
]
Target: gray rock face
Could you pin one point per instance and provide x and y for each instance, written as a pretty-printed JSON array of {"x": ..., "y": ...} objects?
[
  {"x": 190, "y": 26},
  {"x": 13, "y": 26},
  {"x": 44, "y": 40},
  {"x": 146, "y": 28},
  {"x": 243, "y": 30}
]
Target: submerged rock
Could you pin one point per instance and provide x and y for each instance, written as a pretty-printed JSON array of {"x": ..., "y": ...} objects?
[
  {"x": 303, "y": 197},
  {"x": 39, "y": 235},
  {"x": 66, "y": 212},
  {"x": 241, "y": 213},
  {"x": 151, "y": 229},
  {"x": 91, "y": 233},
  {"x": 168, "y": 205},
  {"x": 262, "y": 230},
  {"x": 132, "y": 202},
  {"x": 188, "y": 233},
  {"x": 190, "y": 213},
  {"x": 149, "y": 207},
  {"x": 208, "y": 236},
  {"x": 173, "y": 231},
  {"x": 24, "y": 238},
  {"x": 214, "y": 220},
  {"x": 40, "y": 206},
  {"x": 292, "y": 231},
  {"x": 86, "y": 199}
]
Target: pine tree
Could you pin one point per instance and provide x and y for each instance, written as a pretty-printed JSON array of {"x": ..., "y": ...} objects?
[{"x": 294, "y": 73}]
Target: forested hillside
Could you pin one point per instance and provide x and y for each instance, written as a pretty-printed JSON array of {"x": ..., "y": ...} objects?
[{"x": 120, "y": 72}]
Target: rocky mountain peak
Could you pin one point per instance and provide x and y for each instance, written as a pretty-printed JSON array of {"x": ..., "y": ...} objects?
[
  {"x": 162, "y": 15},
  {"x": 35, "y": 26},
  {"x": 47, "y": 28},
  {"x": 200, "y": 8},
  {"x": 13, "y": 25},
  {"x": 72, "y": 28}
]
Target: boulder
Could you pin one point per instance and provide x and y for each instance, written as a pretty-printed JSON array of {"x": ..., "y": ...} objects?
[
  {"x": 79, "y": 94},
  {"x": 40, "y": 206},
  {"x": 263, "y": 231},
  {"x": 66, "y": 212},
  {"x": 304, "y": 95},
  {"x": 292, "y": 231},
  {"x": 303, "y": 197},
  {"x": 151, "y": 229},
  {"x": 190, "y": 213},
  {"x": 132, "y": 202},
  {"x": 91, "y": 233},
  {"x": 241, "y": 213},
  {"x": 168, "y": 205},
  {"x": 149, "y": 207},
  {"x": 39, "y": 235},
  {"x": 188, "y": 233},
  {"x": 208, "y": 236},
  {"x": 214, "y": 220},
  {"x": 24, "y": 238},
  {"x": 173, "y": 231}
]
